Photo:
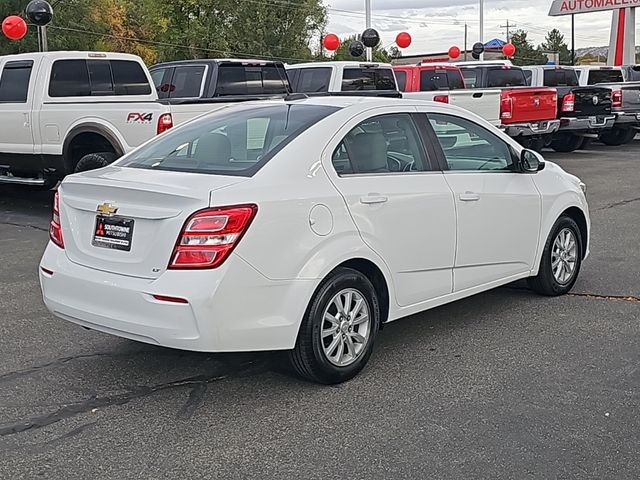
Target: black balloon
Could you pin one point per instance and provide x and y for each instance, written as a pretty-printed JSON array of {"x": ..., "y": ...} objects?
[
  {"x": 356, "y": 49},
  {"x": 39, "y": 12},
  {"x": 478, "y": 48},
  {"x": 370, "y": 38}
]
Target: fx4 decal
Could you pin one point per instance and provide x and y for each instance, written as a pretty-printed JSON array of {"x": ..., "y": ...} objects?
[{"x": 135, "y": 117}]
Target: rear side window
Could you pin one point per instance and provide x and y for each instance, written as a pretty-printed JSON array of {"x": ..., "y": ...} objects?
[
  {"x": 237, "y": 141},
  {"x": 187, "y": 82},
  {"x": 14, "y": 82},
  {"x": 505, "y": 77},
  {"x": 82, "y": 78},
  {"x": 310, "y": 80},
  {"x": 241, "y": 79},
  {"x": 431, "y": 80},
  {"x": 401, "y": 78},
  {"x": 368, "y": 79},
  {"x": 605, "y": 76},
  {"x": 560, "y": 77}
]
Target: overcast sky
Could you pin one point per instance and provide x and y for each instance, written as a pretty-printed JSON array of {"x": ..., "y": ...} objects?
[{"x": 436, "y": 25}]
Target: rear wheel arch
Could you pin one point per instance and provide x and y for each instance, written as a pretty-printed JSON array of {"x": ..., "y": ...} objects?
[{"x": 89, "y": 138}]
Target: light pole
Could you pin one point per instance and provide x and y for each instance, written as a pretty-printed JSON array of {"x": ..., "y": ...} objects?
[
  {"x": 367, "y": 9},
  {"x": 482, "y": 26}
]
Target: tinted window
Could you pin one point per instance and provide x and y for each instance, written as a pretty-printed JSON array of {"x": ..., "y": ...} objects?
[
  {"x": 382, "y": 144},
  {"x": 401, "y": 78},
  {"x": 470, "y": 77},
  {"x": 560, "y": 77},
  {"x": 129, "y": 78},
  {"x": 237, "y": 141},
  {"x": 239, "y": 79},
  {"x": 605, "y": 76},
  {"x": 633, "y": 74},
  {"x": 158, "y": 77},
  {"x": 187, "y": 82},
  {"x": 368, "y": 79},
  {"x": 505, "y": 77},
  {"x": 431, "y": 80},
  {"x": 14, "y": 83},
  {"x": 528, "y": 75},
  {"x": 468, "y": 146},
  {"x": 69, "y": 78},
  {"x": 100, "y": 77},
  {"x": 311, "y": 80}
]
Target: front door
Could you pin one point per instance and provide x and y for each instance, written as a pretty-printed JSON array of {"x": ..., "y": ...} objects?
[
  {"x": 16, "y": 99},
  {"x": 498, "y": 210},
  {"x": 402, "y": 206}
]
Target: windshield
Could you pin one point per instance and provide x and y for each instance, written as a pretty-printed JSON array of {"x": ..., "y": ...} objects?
[{"x": 237, "y": 141}]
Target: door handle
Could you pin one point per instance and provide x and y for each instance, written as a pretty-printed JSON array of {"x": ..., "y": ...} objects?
[
  {"x": 469, "y": 197},
  {"x": 372, "y": 200}
]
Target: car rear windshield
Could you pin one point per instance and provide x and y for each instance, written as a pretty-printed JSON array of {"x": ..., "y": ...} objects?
[
  {"x": 506, "y": 77},
  {"x": 368, "y": 79},
  {"x": 605, "y": 76},
  {"x": 560, "y": 77},
  {"x": 237, "y": 141},
  {"x": 249, "y": 79},
  {"x": 431, "y": 80}
]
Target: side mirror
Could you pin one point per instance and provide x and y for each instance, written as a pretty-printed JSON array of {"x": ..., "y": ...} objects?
[{"x": 530, "y": 161}]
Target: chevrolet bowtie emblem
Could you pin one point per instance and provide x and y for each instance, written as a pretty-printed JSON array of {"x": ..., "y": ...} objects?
[{"x": 106, "y": 209}]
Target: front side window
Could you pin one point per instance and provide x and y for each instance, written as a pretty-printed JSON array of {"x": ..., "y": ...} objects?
[
  {"x": 14, "y": 82},
  {"x": 187, "y": 82},
  {"x": 470, "y": 77},
  {"x": 368, "y": 79},
  {"x": 381, "y": 145},
  {"x": 467, "y": 146},
  {"x": 236, "y": 141}
]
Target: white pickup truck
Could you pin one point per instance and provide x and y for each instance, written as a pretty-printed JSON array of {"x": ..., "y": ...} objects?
[{"x": 68, "y": 111}]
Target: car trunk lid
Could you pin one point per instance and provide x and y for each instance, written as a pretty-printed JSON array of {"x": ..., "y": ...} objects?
[{"x": 127, "y": 221}]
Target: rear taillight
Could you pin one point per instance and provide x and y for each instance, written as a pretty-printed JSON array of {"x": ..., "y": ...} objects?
[
  {"x": 55, "y": 230},
  {"x": 569, "y": 103},
  {"x": 441, "y": 98},
  {"x": 209, "y": 236},
  {"x": 616, "y": 99},
  {"x": 506, "y": 108},
  {"x": 165, "y": 122}
]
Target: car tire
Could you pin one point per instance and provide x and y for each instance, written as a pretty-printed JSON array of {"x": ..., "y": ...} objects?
[
  {"x": 329, "y": 351},
  {"x": 586, "y": 143},
  {"x": 617, "y": 136},
  {"x": 92, "y": 161},
  {"x": 566, "y": 142},
  {"x": 533, "y": 143},
  {"x": 557, "y": 274}
]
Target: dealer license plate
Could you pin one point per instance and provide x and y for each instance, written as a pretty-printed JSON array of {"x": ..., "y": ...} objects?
[{"x": 113, "y": 232}]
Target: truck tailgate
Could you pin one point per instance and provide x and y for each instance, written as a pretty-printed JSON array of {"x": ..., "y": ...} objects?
[
  {"x": 484, "y": 103},
  {"x": 530, "y": 104},
  {"x": 591, "y": 101}
]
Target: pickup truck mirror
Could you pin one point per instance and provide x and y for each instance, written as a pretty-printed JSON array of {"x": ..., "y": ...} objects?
[{"x": 530, "y": 161}]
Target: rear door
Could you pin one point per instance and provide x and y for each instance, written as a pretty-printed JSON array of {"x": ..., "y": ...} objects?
[
  {"x": 498, "y": 210},
  {"x": 401, "y": 205},
  {"x": 17, "y": 85}
]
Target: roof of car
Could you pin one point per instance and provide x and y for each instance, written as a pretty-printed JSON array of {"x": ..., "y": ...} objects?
[
  {"x": 341, "y": 63},
  {"x": 200, "y": 61}
]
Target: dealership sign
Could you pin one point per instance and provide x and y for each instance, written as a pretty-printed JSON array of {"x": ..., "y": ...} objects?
[{"x": 569, "y": 7}]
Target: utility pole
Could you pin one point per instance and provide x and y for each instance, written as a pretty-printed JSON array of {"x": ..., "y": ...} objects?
[
  {"x": 367, "y": 8},
  {"x": 508, "y": 26},
  {"x": 482, "y": 26},
  {"x": 573, "y": 39},
  {"x": 466, "y": 34}
]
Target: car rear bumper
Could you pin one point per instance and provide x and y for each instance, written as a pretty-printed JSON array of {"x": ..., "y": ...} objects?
[
  {"x": 627, "y": 119},
  {"x": 544, "y": 127},
  {"x": 230, "y": 309},
  {"x": 586, "y": 124}
]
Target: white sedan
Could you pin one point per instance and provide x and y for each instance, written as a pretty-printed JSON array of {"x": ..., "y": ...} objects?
[{"x": 306, "y": 225}]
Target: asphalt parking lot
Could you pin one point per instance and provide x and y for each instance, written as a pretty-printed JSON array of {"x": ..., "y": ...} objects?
[{"x": 505, "y": 384}]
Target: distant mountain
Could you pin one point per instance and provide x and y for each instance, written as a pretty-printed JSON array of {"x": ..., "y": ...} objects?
[{"x": 596, "y": 51}]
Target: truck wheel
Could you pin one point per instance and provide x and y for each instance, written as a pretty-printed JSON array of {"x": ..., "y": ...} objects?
[
  {"x": 532, "y": 143},
  {"x": 566, "y": 142},
  {"x": 617, "y": 136},
  {"x": 586, "y": 143},
  {"x": 632, "y": 135},
  {"x": 93, "y": 161}
]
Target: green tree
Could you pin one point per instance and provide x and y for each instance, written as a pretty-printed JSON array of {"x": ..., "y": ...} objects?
[
  {"x": 554, "y": 42},
  {"x": 342, "y": 53},
  {"x": 526, "y": 52}
]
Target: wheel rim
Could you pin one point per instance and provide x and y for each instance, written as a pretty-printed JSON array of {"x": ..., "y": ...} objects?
[
  {"x": 564, "y": 256},
  {"x": 346, "y": 327}
]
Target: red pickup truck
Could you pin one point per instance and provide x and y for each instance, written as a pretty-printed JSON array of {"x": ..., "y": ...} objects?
[{"x": 528, "y": 114}]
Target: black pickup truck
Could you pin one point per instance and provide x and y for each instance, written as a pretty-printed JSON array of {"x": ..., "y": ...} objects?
[{"x": 582, "y": 111}]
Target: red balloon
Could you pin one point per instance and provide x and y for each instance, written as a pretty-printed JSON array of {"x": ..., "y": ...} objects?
[
  {"x": 509, "y": 49},
  {"x": 454, "y": 52},
  {"x": 403, "y": 40},
  {"x": 331, "y": 42},
  {"x": 14, "y": 27}
]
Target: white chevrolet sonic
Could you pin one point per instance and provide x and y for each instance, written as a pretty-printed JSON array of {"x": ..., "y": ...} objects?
[{"x": 305, "y": 225}]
